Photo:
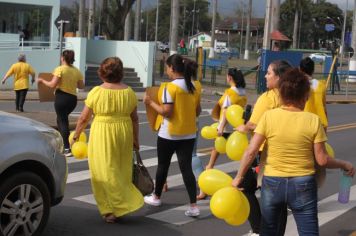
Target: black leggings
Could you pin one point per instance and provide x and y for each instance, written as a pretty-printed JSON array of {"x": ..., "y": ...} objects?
[
  {"x": 20, "y": 98},
  {"x": 183, "y": 149},
  {"x": 64, "y": 104},
  {"x": 250, "y": 186}
]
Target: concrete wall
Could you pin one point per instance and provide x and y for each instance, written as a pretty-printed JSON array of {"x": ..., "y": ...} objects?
[
  {"x": 137, "y": 55},
  {"x": 40, "y": 60},
  {"x": 79, "y": 46}
]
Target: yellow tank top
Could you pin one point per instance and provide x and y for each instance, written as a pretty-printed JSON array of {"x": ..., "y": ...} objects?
[
  {"x": 316, "y": 101},
  {"x": 182, "y": 121},
  {"x": 235, "y": 98}
]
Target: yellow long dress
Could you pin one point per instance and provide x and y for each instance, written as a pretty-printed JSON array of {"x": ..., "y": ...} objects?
[{"x": 110, "y": 150}]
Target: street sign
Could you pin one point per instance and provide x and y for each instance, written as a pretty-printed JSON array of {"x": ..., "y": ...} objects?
[
  {"x": 234, "y": 26},
  {"x": 329, "y": 27}
]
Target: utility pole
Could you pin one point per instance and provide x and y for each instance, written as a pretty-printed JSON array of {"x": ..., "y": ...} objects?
[
  {"x": 193, "y": 18},
  {"x": 61, "y": 26},
  {"x": 156, "y": 29},
  {"x": 343, "y": 30},
  {"x": 146, "y": 24},
  {"x": 296, "y": 21},
  {"x": 184, "y": 9},
  {"x": 249, "y": 13},
  {"x": 137, "y": 20},
  {"x": 242, "y": 28},
  {"x": 127, "y": 32},
  {"x": 91, "y": 22},
  {"x": 174, "y": 31},
  {"x": 81, "y": 18},
  {"x": 353, "y": 44},
  {"x": 275, "y": 14},
  {"x": 212, "y": 41},
  {"x": 267, "y": 28}
]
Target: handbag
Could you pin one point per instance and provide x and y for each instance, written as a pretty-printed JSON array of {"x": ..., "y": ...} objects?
[{"x": 140, "y": 176}]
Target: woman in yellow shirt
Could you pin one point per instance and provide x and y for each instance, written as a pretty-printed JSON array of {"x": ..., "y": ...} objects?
[
  {"x": 177, "y": 108},
  {"x": 66, "y": 79},
  {"x": 267, "y": 101},
  {"x": 21, "y": 71},
  {"x": 295, "y": 140},
  {"x": 113, "y": 136}
]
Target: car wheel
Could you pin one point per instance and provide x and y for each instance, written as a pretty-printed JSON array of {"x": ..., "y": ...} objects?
[{"x": 24, "y": 205}]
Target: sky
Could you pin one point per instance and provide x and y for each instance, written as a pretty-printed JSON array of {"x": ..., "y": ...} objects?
[{"x": 228, "y": 7}]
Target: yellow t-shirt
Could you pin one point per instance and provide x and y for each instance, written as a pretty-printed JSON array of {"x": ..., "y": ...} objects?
[
  {"x": 316, "y": 101},
  {"x": 69, "y": 77},
  {"x": 290, "y": 137},
  {"x": 21, "y": 72},
  {"x": 267, "y": 101}
]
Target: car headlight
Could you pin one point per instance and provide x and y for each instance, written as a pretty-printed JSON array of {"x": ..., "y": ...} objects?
[{"x": 54, "y": 138}]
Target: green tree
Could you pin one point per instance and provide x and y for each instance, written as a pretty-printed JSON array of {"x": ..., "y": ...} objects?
[
  {"x": 116, "y": 12},
  {"x": 314, "y": 16},
  {"x": 202, "y": 20}
]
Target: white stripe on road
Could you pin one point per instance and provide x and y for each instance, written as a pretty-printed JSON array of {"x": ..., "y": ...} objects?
[
  {"x": 142, "y": 149},
  {"x": 85, "y": 174},
  {"x": 175, "y": 215},
  {"x": 328, "y": 209}
]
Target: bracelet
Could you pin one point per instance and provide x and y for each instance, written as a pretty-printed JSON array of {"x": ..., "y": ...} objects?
[{"x": 75, "y": 138}]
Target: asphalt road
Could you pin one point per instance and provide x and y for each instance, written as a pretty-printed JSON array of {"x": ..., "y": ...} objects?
[{"x": 78, "y": 215}]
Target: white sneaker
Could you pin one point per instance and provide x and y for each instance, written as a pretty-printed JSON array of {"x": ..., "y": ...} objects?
[
  {"x": 152, "y": 200},
  {"x": 252, "y": 234},
  {"x": 192, "y": 211},
  {"x": 67, "y": 153}
]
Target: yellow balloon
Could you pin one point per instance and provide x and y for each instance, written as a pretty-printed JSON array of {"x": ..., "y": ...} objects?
[
  {"x": 82, "y": 137},
  {"x": 236, "y": 145},
  {"x": 212, "y": 180},
  {"x": 330, "y": 150},
  {"x": 220, "y": 145},
  {"x": 241, "y": 215},
  {"x": 215, "y": 125},
  {"x": 208, "y": 132},
  {"x": 234, "y": 115},
  {"x": 80, "y": 150},
  {"x": 226, "y": 202}
]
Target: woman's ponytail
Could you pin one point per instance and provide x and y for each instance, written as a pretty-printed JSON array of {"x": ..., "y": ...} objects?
[{"x": 190, "y": 72}]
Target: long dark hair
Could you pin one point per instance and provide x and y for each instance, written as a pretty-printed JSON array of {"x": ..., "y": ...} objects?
[
  {"x": 237, "y": 77},
  {"x": 279, "y": 67},
  {"x": 186, "y": 67}
]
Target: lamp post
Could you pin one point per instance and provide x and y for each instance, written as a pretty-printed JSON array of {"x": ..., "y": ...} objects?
[{"x": 193, "y": 18}]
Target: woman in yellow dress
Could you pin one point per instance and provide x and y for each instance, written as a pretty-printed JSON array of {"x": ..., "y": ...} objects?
[{"x": 113, "y": 136}]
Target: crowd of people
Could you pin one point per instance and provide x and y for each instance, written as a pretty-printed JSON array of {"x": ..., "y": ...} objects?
[{"x": 288, "y": 126}]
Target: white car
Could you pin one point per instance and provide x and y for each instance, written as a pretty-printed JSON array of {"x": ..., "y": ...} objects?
[{"x": 318, "y": 57}]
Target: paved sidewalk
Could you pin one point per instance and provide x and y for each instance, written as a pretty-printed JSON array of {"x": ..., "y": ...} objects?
[{"x": 211, "y": 93}]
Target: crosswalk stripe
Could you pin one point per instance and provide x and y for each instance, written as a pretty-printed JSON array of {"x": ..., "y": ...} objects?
[
  {"x": 177, "y": 216},
  {"x": 85, "y": 174},
  {"x": 328, "y": 209},
  {"x": 142, "y": 149}
]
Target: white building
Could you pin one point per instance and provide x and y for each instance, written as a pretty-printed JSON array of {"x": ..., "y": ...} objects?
[
  {"x": 199, "y": 40},
  {"x": 41, "y": 48}
]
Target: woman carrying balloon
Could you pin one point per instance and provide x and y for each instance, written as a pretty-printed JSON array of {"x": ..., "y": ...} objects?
[
  {"x": 296, "y": 139},
  {"x": 178, "y": 108},
  {"x": 235, "y": 95},
  {"x": 113, "y": 136},
  {"x": 66, "y": 79}
]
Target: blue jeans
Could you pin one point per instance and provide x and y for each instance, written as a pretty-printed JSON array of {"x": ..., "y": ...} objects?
[{"x": 299, "y": 194}]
